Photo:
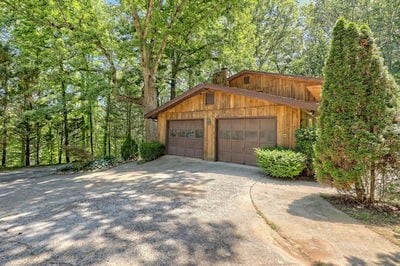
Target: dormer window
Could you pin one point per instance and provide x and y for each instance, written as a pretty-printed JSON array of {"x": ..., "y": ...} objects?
[
  {"x": 209, "y": 98},
  {"x": 246, "y": 80}
]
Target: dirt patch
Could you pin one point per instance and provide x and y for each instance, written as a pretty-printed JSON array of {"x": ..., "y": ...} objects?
[{"x": 383, "y": 218}]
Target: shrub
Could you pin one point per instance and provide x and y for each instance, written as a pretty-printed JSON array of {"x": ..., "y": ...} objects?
[
  {"x": 101, "y": 163},
  {"x": 305, "y": 139},
  {"x": 70, "y": 167},
  {"x": 79, "y": 154},
  {"x": 129, "y": 148},
  {"x": 281, "y": 163},
  {"x": 151, "y": 150}
]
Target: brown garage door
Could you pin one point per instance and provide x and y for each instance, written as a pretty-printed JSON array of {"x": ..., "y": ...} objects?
[
  {"x": 237, "y": 138},
  {"x": 185, "y": 138}
]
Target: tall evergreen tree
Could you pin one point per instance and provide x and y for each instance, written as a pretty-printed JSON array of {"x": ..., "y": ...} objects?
[{"x": 357, "y": 123}]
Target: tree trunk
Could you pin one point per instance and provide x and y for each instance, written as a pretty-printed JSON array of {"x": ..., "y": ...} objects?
[
  {"x": 372, "y": 184},
  {"x": 4, "y": 133},
  {"x": 106, "y": 139},
  {"x": 27, "y": 140},
  {"x": 150, "y": 102},
  {"x": 175, "y": 61},
  {"x": 38, "y": 138},
  {"x": 51, "y": 145},
  {"x": 360, "y": 191},
  {"x": 65, "y": 121},
  {"x": 91, "y": 128},
  {"x": 60, "y": 143},
  {"x": 22, "y": 151},
  {"x": 4, "y": 149},
  {"x": 27, "y": 132}
]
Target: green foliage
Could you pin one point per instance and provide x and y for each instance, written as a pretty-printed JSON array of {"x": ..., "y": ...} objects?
[
  {"x": 70, "y": 167},
  {"x": 281, "y": 163},
  {"x": 81, "y": 155},
  {"x": 101, "y": 163},
  {"x": 96, "y": 164},
  {"x": 305, "y": 140},
  {"x": 357, "y": 128},
  {"x": 149, "y": 151},
  {"x": 129, "y": 148}
]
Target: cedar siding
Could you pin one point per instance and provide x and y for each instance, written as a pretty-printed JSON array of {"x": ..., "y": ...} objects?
[
  {"x": 294, "y": 87},
  {"x": 230, "y": 106},
  {"x": 271, "y": 103}
]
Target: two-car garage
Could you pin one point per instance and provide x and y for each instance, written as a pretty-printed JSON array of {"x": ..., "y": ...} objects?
[{"x": 236, "y": 138}]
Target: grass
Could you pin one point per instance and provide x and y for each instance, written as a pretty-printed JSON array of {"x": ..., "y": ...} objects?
[{"x": 383, "y": 218}]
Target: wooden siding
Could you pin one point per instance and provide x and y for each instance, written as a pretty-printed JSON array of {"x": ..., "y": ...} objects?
[
  {"x": 229, "y": 106},
  {"x": 281, "y": 86}
]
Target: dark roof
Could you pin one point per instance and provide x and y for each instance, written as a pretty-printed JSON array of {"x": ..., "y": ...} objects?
[
  {"x": 248, "y": 93},
  {"x": 296, "y": 77}
]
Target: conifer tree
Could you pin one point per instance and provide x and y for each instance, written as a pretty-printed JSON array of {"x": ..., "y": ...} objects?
[{"x": 357, "y": 124}]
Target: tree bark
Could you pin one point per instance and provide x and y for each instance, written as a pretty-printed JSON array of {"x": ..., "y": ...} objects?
[
  {"x": 27, "y": 132},
  {"x": 106, "y": 139},
  {"x": 4, "y": 133},
  {"x": 51, "y": 144},
  {"x": 372, "y": 184},
  {"x": 65, "y": 121},
  {"x": 360, "y": 191},
  {"x": 60, "y": 143},
  {"x": 175, "y": 62},
  {"x": 27, "y": 141},
  {"x": 38, "y": 139},
  {"x": 150, "y": 103},
  {"x": 91, "y": 128}
]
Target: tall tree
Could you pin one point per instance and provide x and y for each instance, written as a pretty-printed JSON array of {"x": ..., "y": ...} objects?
[
  {"x": 357, "y": 127},
  {"x": 5, "y": 76},
  {"x": 278, "y": 34}
]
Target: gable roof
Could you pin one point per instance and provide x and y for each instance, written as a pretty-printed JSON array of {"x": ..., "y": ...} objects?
[
  {"x": 295, "y": 77},
  {"x": 312, "y": 106}
]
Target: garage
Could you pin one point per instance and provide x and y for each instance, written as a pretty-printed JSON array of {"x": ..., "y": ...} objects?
[
  {"x": 237, "y": 138},
  {"x": 186, "y": 138}
]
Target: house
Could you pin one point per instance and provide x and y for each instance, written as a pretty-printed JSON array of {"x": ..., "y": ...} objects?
[{"x": 226, "y": 120}]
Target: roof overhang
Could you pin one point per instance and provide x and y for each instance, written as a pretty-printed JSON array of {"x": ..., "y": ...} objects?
[{"x": 311, "y": 106}]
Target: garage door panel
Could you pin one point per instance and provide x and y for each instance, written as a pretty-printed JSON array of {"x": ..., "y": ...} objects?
[
  {"x": 241, "y": 136},
  {"x": 237, "y": 158},
  {"x": 224, "y": 145},
  {"x": 186, "y": 138},
  {"x": 237, "y": 146},
  {"x": 224, "y": 156},
  {"x": 250, "y": 159},
  {"x": 250, "y": 146}
]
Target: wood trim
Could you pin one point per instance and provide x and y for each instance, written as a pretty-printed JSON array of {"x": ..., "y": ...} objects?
[{"x": 313, "y": 106}]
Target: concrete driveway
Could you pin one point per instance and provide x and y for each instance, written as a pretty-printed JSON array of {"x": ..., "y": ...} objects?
[
  {"x": 170, "y": 211},
  {"x": 177, "y": 211}
]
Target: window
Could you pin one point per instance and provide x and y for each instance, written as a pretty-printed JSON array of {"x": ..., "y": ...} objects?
[
  {"x": 209, "y": 98},
  {"x": 246, "y": 80}
]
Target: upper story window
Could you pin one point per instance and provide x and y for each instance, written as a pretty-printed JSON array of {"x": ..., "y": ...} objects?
[
  {"x": 209, "y": 98},
  {"x": 246, "y": 80}
]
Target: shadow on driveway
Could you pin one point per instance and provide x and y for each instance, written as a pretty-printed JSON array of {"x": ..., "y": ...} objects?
[{"x": 138, "y": 217}]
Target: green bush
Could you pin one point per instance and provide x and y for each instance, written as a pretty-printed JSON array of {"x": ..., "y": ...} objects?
[
  {"x": 96, "y": 164},
  {"x": 305, "y": 139},
  {"x": 149, "y": 151},
  {"x": 281, "y": 163},
  {"x": 129, "y": 149},
  {"x": 70, "y": 167},
  {"x": 101, "y": 163}
]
